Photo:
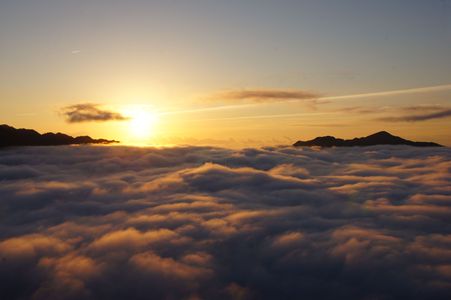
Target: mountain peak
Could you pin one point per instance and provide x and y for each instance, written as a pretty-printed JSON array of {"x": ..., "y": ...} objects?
[
  {"x": 378, "y": 138},
  {"x": 383, "y": 133},
  {"x": 10, "y": 136}
]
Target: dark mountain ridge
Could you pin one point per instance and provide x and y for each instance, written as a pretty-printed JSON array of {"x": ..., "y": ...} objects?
[
  {"x": 379, "y": 138},
  {"x": 10, "y": 136}
]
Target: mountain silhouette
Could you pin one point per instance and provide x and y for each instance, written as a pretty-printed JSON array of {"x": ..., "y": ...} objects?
[
  {"x": 379, "y": 138},
  {"x": 10, "y": 136}
]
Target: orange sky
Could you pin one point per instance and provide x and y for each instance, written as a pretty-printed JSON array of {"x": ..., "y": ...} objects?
[{"x": 200, "y": 77}]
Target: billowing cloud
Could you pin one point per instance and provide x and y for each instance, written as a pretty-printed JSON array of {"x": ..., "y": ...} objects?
[
  {"x": 264, "y": 95},
  {"x": 88, "y": 112},
  {"x": 212, "y": 223}
]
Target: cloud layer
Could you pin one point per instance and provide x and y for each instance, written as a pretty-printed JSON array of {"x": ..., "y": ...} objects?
[
  {"x": 211, "y": 223},
  {"x": 88, "y": 112}
]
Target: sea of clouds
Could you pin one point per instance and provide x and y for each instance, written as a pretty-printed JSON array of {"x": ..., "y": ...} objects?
[{"x": 210, "y": 223}]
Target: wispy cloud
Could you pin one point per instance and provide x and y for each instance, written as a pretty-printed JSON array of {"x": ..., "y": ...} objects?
[
  {"x": 258, "y": 96},
  {"x": 264, "y": 95},
  {"x": 274, "y": 95},
  {"x": 88, "y": 112},
  {"x": 437, "y": 113},
  {"x": 424, "y": 107},
  {"x": 362, "y": 109}
]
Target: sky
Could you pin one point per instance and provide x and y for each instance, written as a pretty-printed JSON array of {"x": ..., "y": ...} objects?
[{"x": 227, "y": 72}]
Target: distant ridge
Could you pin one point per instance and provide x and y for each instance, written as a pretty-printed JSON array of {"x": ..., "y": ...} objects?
[
  {"x": 10, "y": 136},
  {"x": 379, "y": 138}
]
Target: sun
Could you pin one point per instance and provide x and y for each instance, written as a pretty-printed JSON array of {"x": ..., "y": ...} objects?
[{"x": 141, "y": 123}]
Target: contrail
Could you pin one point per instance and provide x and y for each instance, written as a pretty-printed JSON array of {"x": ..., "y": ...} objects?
[
  {"x": 428, "y": 89},
  {"x": 195, "y": 110},
  {"x": 269, "y": 116}
]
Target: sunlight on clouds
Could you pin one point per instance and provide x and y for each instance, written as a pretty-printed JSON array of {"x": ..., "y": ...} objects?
[{"x": 214, "y": 223}]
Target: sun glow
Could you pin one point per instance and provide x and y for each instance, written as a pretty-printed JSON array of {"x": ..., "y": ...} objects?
[{"x": 141, "y": 124}]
